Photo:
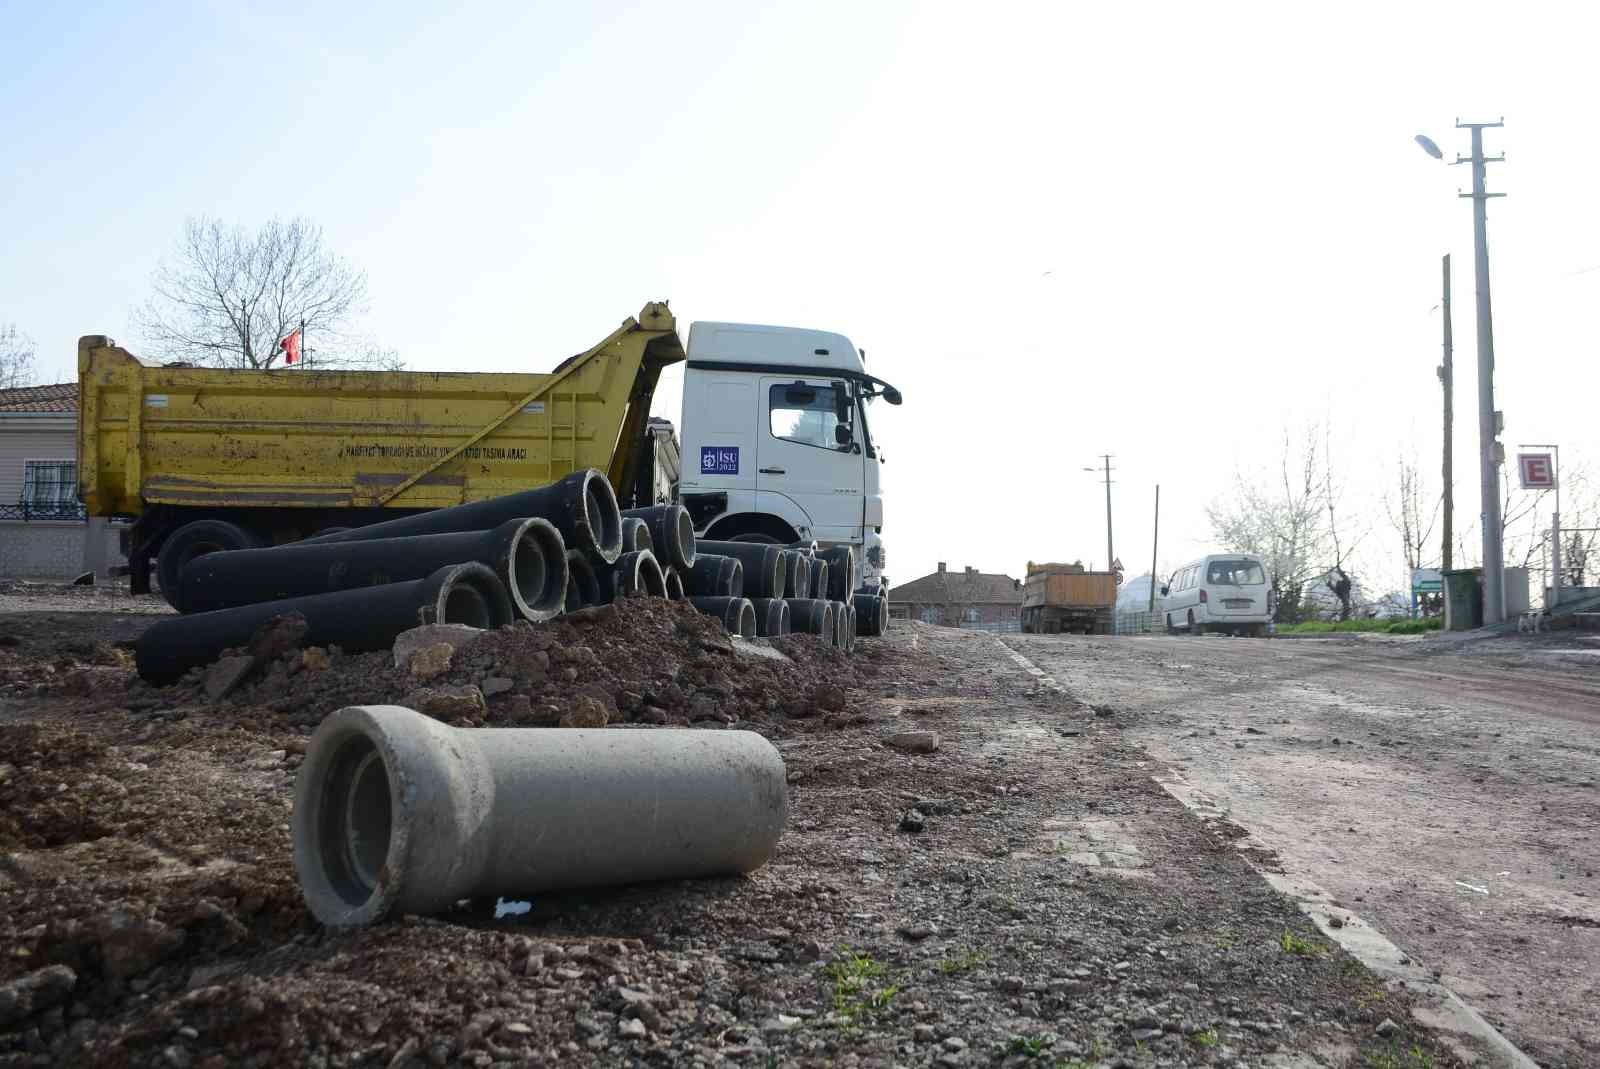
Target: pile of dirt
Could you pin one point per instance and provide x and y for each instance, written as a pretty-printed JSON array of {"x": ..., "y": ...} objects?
[{"x": 640, "y": 660}]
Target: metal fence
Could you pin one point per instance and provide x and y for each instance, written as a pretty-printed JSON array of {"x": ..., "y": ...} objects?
[
  {"x": 64, "y": 510},
  {"x": 1000, "y": 626},
  {"x": 1140, "y": 622}
]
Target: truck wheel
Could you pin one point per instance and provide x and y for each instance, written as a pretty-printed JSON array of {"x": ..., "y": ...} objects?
[{"x": 196, "y": 539}]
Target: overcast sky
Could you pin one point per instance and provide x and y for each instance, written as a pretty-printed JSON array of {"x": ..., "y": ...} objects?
[{"x": 1159, "y": 231}]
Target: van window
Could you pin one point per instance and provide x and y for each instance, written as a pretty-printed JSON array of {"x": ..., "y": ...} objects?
[
  {"x": 800, "y": 412},
  {"x": 1235, "y": 573}
]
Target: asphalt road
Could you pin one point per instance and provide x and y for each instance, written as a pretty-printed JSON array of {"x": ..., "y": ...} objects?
[{"x": 1446, "y": 791}]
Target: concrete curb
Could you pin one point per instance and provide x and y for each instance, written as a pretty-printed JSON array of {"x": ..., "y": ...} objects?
[{"x": 1438, "y": 1007}]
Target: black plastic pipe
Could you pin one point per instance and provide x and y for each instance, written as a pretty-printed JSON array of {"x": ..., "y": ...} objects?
[
  {"x": 796, "y": 574},
  {"x": 841, "y": 573},
  {"x": 714, "y": 576},
  {"x": 736, "y": 614},
  {"x": 636, "y": 572},
  {"x": 636, "y": 535},
  {"x": 674, "y": 581},
  {"x": 583, "y": 586},
  {"x": 772, "y": 616},
  {"x": 360, "y": 620},
  {"x": 672, "y": 532},
  {"x": 819, "y": 576},
  {"x": 582, "y": 506},
  {"x": 527, "y": 555},
  {"x": 763, "y": 565},
  {"x": 869, "y": 609},
  {"x": 812, "y": 616}
]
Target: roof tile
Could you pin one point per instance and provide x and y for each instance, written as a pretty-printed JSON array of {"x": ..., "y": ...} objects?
[{"x": 58, "y": 397}]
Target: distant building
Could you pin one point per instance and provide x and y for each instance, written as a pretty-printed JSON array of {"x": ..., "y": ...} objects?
[
  {"x": 44, "y": 533},
  {"x": 968, "y": 598}
]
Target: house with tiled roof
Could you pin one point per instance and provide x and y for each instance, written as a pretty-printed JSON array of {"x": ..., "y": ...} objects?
[
  {"x": 44, "y": 533},
  {"x": 968, "y": 598}
]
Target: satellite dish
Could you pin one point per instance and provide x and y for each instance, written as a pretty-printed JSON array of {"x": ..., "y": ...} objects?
[{"x": 1429, "y": 147}]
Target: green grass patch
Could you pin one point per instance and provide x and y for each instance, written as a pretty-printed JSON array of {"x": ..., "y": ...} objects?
[
  {"x": 1305, "y": 948},
  {"x": 860, "y": 986},
  {"x": 1208, "y": 1038},
  {"x": 956, "y": 964},
  {"x": 1396, "y": 1057},
  {"x": 1386, "y": 627}
]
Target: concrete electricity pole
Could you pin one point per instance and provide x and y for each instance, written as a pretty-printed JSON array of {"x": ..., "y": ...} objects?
[
  {"x": 1489, "y": 448},
  {"x": 1447, "y": 380},
  {"x": 1155, "y": 541}
]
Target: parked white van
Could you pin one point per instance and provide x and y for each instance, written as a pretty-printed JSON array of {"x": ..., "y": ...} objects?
[{"x": 1225, "y": 592}]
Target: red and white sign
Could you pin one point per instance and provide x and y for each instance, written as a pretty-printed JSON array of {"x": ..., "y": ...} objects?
[{"x": 1538, "y": 473}]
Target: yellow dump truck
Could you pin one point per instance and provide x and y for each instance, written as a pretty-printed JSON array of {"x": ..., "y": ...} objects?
[
  {"x": 204, "y": 459},
  {"x": 1065, "y": 597}
]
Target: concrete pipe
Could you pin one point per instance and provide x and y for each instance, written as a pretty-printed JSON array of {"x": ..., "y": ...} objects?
[
  {"x": 674, "y": 581},
  {"x": 819, "y": 576},
  {"x": 583, "y": 586},
  {"x": 714, "y": 577},
  {"x": 772, "y": 616},
  {"x": 812, "y": 616},
  {"x": 736, "y": 614},
  {"x": 851, "y": 629},
  {"x": 796, "y": 574},
  {"x": 841, "y": 573},
  {"x": 396, "y": 813},
  {"x": 636, "y": 535},
  {"x": 526, "y": 554},
  {"x": 868, "y": 608},
  {"x": 357, "y": 620},
  {"x": 764, "y": 565},
  {"x": 582, "y": 506},
  {"x": 636, "y": 572},
  {"x": 672, "y": 532},
  {"x": 841, "y": 624}
]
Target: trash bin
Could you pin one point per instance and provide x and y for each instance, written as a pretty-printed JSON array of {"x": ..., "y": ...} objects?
[{"x": 1463, "y": 599}]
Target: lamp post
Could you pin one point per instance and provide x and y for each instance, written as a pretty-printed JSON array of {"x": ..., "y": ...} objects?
[{"x": 1489, "y": 448}]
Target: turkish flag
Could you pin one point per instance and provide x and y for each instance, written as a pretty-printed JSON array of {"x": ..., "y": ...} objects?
[{"x": 291, "y": 347}]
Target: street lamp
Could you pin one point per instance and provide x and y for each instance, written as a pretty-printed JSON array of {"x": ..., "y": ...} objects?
[{"x": 1489, "y": 448}]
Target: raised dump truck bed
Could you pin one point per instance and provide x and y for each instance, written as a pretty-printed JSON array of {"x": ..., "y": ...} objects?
[
  {"x": 207, "y": 459},
  {"x": 1065, "y": 597}
]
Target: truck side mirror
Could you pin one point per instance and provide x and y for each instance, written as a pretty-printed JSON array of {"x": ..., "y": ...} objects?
[
  {"x": 841, "y": 434},
  {"x": 891, "y": 395}
]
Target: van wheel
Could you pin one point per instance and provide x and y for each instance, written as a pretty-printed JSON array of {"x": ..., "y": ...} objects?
[
  {"x": 196, "y": 539},
  {"x": 1194, "y": 628},
  {"x": 1171, "y": 630}
]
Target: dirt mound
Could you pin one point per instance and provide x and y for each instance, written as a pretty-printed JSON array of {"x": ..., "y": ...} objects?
[{"x": 640, "y": 660}]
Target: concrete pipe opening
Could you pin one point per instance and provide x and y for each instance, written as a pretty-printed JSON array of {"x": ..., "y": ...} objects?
[
  {"x": 603, "y": 519},
  {"x": 470, "y": 594},
  {"x": 355, "y": 820},
  {"x": 537, "y": 570},
  {"x": 636, "y": 535},
  {"x": 745, "y": 623},
  {"x": 785, "y": 620},
  {"x": 652, "y": 580},
  {"x": 685, "y": 535},
  {"x": 674, "y": 584}
]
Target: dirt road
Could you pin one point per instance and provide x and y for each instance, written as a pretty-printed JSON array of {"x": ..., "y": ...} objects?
[
  {"x": 1446, "y": 791},
  {"x": 1022, "y": 894}
]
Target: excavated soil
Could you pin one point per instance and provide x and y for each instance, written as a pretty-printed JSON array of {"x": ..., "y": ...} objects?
[{"x": 1023, "y": 894}]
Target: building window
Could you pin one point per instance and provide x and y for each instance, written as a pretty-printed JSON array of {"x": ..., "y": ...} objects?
[{"x": 49, "y": 491}]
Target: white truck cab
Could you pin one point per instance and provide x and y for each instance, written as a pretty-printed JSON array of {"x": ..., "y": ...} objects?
[{"x": 775, "y": 441}]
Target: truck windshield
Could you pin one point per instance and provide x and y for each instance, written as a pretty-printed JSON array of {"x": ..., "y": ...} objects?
[{"x": 1235, "y": 573}]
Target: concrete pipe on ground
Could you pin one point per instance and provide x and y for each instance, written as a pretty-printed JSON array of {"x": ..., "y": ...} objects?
[
  {"x": 772, "y": 616},
  {"x": 869, "y": 610},
  {"x": 736, "y": 614},
  {"x": 851, "y": 628},
  {"x": 796, "y": 574},
  {"x": 812, "y": 616},
  {"x": 818, "y": 583},
  {"x": 636, "y": 535},
  {"x": 357, "y": 620},
  {"x": 672, "y": 532},
  {"x": 396, "y": 813},
  {"x": 582, "y": 506},
  {"x": 713, "y": 576},
  {"x": 841, "y": 573},
  {"x": 583, "y": 586},
  {"x": 636, "y": 572},
  {"x": 764, "y": 565},
  {"x": 674, "y": 581},
  {"x": 527, "y": 555}
]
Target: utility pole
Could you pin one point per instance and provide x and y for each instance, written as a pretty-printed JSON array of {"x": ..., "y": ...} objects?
[
  {"x": 1446, "y": 379},
  {"x": 1155, "y": 539},
  {"x": 1110, "y": 555},
  {"x": 1489, "y": 450}
]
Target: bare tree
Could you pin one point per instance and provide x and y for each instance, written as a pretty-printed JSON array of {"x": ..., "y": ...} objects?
[
  {"x": 1278, "y": 516},
  {"x": 1411, "y": 515},
  {"x": 1520, "y": 533},
  {"x": 16, "y": 357},
  {"x": 227, "y": 297}
]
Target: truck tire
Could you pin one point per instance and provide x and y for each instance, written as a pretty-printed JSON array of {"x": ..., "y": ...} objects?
[{"x": 196, "y": 539}]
